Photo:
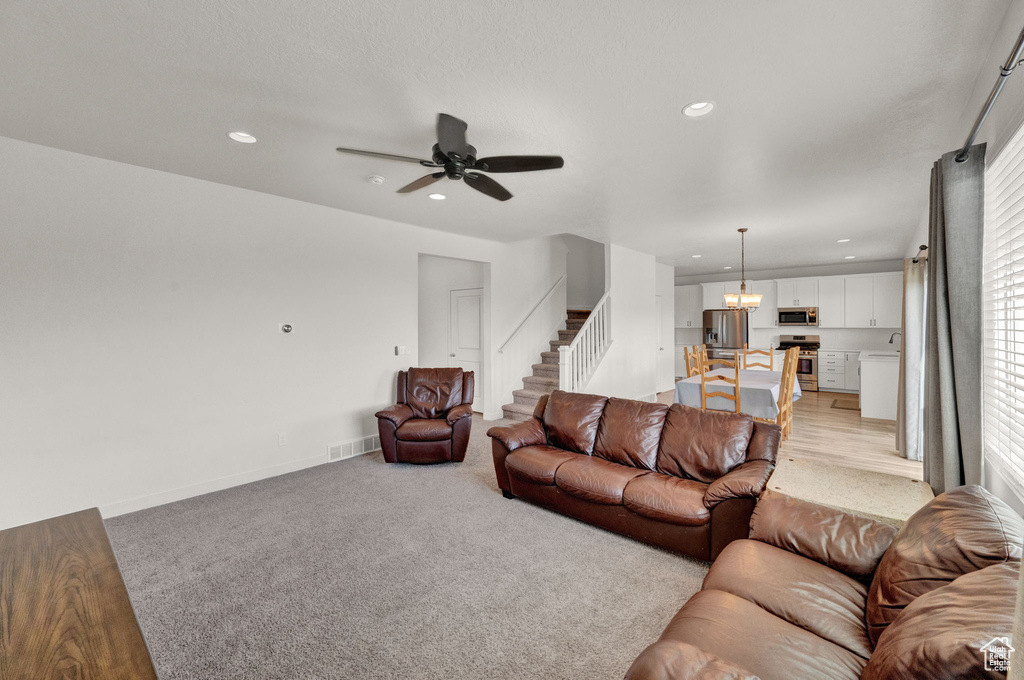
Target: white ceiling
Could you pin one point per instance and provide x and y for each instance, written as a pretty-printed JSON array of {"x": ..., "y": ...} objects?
[{"x": 828, "y": 114}]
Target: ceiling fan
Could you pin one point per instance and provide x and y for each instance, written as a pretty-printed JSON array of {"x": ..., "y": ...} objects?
[{"x": 457, "y": 160}]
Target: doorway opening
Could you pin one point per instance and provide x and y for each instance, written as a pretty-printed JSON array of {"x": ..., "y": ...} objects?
[{"x": 454, "y": 318}]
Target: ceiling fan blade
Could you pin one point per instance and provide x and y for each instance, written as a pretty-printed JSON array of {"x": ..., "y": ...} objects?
[
  {"x": 486, "y": 185},
  {"x": 420, "y": 183},
  {"x": 389, "y": 156},
  {"x": 451, "y": 136},
  {"x": 518, "y": 163}
]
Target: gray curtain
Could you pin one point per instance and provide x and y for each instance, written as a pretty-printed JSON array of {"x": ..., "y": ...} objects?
[
  {"x": 910, "y": 413},
  {"x": 952, "y": 439}
]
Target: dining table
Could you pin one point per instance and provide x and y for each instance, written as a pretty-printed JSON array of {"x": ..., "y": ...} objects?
[{"x": 759, "y": 392}]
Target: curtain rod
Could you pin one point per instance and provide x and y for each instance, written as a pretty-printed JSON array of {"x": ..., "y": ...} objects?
[{"x": 1004, "y": 72}]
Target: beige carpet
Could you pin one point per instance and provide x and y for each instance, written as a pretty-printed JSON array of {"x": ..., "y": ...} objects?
[{"x": 359, "y": 570}]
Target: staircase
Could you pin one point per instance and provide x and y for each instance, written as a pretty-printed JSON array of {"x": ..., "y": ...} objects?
[{"x": 545, "y": 374}]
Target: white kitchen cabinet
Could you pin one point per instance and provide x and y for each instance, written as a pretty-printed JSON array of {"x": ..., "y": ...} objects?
[
  {"x": 689, "y": 306},
  {"x": 874, "y": 301},
  {"x": 766, "y": 315},
  {"x": 797, "y": 292},
  {"x": 879, "y": 384},
  {"x": 713, "y": 294},
  {"x": 832, "y": 302},
  {"x": 853, "y": 371},
  {"x": 887, "y": 300}
]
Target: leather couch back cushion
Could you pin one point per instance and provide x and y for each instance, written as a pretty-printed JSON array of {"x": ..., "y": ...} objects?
[
  {"x": 941, "y": 633},
  {"x": 703, "y": 445},
  {"x": 430, "y": 392},
  {"x": 629, "y": 432},
  {"x": 958, "y": 532},
  {"x": 571, "y": 419}
]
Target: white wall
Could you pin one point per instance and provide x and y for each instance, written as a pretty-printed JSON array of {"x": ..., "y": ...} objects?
[
  {"x": 630, "y": 367},
  {"x": 142, "y": 360},
  {"x": 438, "y": 276},
  {"x": 585, "y": 265},
  {"x": 666, "y": 288}
]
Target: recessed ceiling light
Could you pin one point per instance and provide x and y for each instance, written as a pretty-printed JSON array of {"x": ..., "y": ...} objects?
[
  {"x": 437, "y": 197},
  {"x": 850, "y": 257},
  {"x": 695, "y": 256},
  {"x": 697, "y": 109},
  {"x": 843, "y": 240},
  {"x": 726, "y": 267},
  {"x": 243, "y": 137},
  {"x": 375, "y": 179}
]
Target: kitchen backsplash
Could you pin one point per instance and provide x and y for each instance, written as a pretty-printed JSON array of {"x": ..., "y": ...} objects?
[{"x": 831, "y": 338}]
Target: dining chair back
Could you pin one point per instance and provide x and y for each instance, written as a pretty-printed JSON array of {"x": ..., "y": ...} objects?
[
  {"x": 756, "y": 354},
  {"x": 786, "y": 388},
  {"x": 707, "y": 381},
  {"x": 693, "y": 359}
]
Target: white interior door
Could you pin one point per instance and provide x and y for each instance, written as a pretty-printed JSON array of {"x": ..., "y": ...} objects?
[{"x": 465, "y": 339}]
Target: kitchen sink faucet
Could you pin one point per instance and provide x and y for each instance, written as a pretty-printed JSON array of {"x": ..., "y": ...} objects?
[{"x": 893, "y": 337}]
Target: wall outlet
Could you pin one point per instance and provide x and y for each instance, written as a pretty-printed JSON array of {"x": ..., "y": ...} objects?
[{"x": 282, "y": 439}]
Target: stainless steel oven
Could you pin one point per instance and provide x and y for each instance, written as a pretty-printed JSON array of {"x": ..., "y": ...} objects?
[
  {"x": 807, "y": 363},
  {"x": 798, "y": 316}
]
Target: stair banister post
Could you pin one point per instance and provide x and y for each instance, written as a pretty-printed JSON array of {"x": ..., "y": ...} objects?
[{"x": 564, "y": 376}]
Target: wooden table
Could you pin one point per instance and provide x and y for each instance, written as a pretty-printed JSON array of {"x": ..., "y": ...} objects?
[
  {"x": 64, "y": 610},
  {"x": 759, "y": 392}
]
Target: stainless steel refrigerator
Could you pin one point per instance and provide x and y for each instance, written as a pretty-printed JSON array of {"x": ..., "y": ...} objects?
[{"x": 725, "y": 331}]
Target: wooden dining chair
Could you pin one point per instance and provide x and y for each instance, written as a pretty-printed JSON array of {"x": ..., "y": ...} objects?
[
  {"x": 707, "y": 381},
  {"x": 693, "y": 360},
  {"x": 770, "y": 353},
  {"x": 786, "y": 388}
]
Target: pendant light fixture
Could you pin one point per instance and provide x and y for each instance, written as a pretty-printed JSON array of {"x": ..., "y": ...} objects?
[{"x": 745, "y": 300}]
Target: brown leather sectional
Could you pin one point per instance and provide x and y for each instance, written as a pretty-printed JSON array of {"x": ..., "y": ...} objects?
[
  {"x": 817, "y": 593},
  {"x": 680, "y": 478}
]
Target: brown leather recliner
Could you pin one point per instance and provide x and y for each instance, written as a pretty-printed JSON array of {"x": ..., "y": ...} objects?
[{"x": 432, "y": 419}]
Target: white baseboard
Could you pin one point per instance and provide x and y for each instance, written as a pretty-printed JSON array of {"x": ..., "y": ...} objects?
[{"x": 181, "y": 493}]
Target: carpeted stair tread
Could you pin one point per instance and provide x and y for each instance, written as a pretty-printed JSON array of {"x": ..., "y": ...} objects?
[
  {"x": 549, "y": 358},
  {"x": 545, "y": 370}
]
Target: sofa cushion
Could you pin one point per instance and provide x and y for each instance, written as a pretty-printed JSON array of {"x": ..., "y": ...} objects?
[
  {"x": 424, "y": 430},
  {"x": 595, "y": 479},
  {"x": 738, "y": 631},
  {"x": 537, "y": 463},
  {"x": 801, "y": 591},
  {"x": 430, "y": 392},
  {"x": 629, "y": 432},
  {"x": 571, "y": 419},
  {"x": 941, "y": 634},
  {"x": 703, "y": 445},
  {"x": 668, "y": 499},
  {"x": 673, "y": 660},
  {"x": 958, "y": 532}
]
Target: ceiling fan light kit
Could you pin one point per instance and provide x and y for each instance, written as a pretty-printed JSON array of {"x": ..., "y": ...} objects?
[{"x": 456, "y": 160}]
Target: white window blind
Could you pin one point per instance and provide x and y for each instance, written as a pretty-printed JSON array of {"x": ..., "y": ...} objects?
[{"x": 1004, "y": 313}]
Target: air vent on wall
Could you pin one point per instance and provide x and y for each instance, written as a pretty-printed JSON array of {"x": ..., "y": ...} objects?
[{"x": 355, "y": 447}]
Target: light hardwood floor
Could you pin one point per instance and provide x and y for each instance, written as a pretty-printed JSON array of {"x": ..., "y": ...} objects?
[{"x": 841, "y": 437}]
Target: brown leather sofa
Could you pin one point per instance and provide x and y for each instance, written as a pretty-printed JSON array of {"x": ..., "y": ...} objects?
[
  {"x": 432, "y": 419},
  {"x": 818, "y": 593},
  {"x": 680, "y": 478}
]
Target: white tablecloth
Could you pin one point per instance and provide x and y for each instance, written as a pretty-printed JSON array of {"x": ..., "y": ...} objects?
[{"x": 759, "y": 392}]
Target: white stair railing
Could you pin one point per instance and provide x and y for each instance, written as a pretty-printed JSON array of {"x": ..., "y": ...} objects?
[{"x": 578, "y": 360}]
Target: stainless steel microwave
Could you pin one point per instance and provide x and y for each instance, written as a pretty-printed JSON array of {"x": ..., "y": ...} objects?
[{"x": 798, "y": 316}]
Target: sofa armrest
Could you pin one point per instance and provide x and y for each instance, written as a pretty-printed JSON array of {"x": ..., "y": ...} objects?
[
  {"x": 840, "y": 540},
  {"x": 675, "y": 660},
  {"x": 397, "y": 414},
  {"x": 527, "y": 433},
  {"x": 458, "y": 413},
  {"x": 744, "y": 481}
]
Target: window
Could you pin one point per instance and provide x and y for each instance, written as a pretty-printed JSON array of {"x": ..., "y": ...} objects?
[{"x": 1004, "y": 314}]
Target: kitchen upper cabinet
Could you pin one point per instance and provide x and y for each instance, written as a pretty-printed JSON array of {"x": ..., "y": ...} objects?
[
  {"x": 766, "y": 315},
  {"x": 887, "y": 300},
  {"x": 874, "y": 301},
  {"x": 831, "y": 302},
  {"x": 714, "y": 293},
  {"x": 689, "y": 305},
  {"x": 797, "y": 292}
]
